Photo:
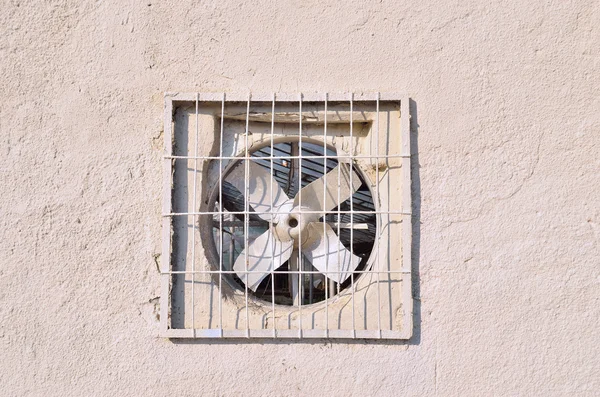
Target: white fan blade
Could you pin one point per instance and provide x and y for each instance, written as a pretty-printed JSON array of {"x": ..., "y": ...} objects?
[
  {"x": 260, "y": 181},
  {"x": 264, "y": 254},
  {"x": 327, "y": 253},
  {"x": 312, "y": 194}
]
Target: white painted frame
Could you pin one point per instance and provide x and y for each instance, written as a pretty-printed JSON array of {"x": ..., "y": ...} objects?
[{"x": 171, "y": 101}]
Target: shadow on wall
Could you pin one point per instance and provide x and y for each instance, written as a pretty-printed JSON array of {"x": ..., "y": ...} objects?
[{"x": 416, "y": 253}]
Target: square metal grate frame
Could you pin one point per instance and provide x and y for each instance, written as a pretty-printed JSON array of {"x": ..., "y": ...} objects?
[{"x": 390, "y": 314}]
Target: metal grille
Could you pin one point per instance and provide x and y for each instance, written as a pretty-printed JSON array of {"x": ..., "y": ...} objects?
[
  {"x": 286, "y": 216},
  {"x": 288, "y": 176}
]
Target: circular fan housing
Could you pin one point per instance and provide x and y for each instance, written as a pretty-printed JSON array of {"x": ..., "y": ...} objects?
[{"x": 275, "y": 240}]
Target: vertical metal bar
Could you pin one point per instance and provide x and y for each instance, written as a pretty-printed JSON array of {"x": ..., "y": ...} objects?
[
  {"x": 165, "y": 264},
  {"x": 352, "y": 206},
  {"x": 193, "y": 275},
  {"x": 311, "y": 280},
  {"x": 325, "y": 170},
  {"x": 293, "y": 261},
  {"x": 272, "y": 215},
  {"x": 246, "y": 211},
  {"x": 221, "y": 219},
  {"x": 339, "y": 222},
  {"x": 300, "y": 261},
  {"x": 378, "y": 269}
]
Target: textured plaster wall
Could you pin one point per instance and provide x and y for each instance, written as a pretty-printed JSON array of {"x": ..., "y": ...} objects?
[{"x": 507, "y": 215}]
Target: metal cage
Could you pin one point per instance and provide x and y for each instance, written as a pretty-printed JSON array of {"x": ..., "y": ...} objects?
[{"x": 207, "y": 135}]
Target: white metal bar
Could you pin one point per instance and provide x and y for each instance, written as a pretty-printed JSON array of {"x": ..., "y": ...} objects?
[
  {"x": 325, "y": 171},
  {"x": 352, "y": 209},
  {"x": 221, "y": 218},
  {"x": 283, "y": 96},
  {"x": 284, "y": 333},
  {"x": 339, "y": 219},
  {"x": 283, "y": 212},
  {"x": 356, "y": 226},
  {"x": 293, "y": 261},
  {"x": 257, "y": 158},
  {"x": 285, "y": 272},
  {"x": 272, "y": 216},
  {"x": 300, "y": 261},
  {"x": 194, "y": 218},
  {"x": 247, "y": 213},
  {"x": 378, "y": 235},
  {"x": 293, "y": 265}
]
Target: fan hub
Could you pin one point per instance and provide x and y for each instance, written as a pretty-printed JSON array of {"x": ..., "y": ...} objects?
[{"x": 293, "y": 226}]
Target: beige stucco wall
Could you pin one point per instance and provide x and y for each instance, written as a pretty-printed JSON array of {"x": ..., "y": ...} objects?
[{"x": 507, "y": 125}]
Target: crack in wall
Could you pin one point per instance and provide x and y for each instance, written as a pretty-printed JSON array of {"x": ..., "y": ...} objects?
[{"x": 533, "y": 168}]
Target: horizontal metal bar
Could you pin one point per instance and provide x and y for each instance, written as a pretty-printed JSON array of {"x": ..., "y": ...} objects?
[
  {"x": 326, "y": 333},
  {"x": 393, "y": 97},
  {"x": 281, "y": 272},
  {"x": 254, "y": 158},
  {"x": 286, "y": 212},
  {"x": 359, "y": 226},
  {"x": 355, "y": 226},
  {"x": 218, "y": 224}
]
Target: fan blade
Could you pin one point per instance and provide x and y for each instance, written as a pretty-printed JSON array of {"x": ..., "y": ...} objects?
[
  {"x": 327, "y": 253},
  {"x": 265, "y": 253},
  {"x": 260, "y": 182},
  {"x": 312, "y": 194}
]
